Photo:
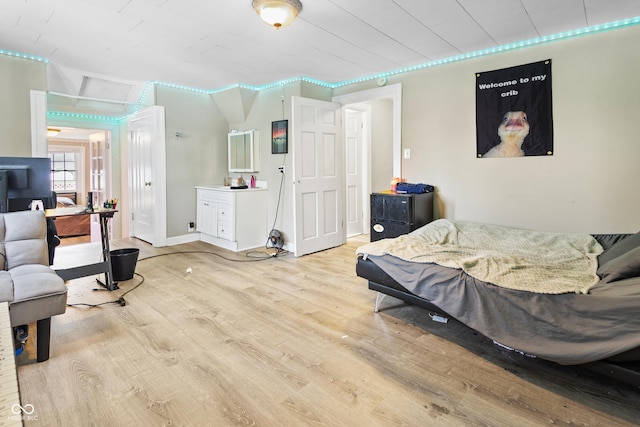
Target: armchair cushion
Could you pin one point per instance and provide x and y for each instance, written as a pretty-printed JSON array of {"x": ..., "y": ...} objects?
[
  {"x": 35, "y": 281},
  {"x": 24, "y": 238}
]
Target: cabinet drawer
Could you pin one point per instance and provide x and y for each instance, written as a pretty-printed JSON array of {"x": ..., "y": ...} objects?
[
  {"x": 225, "y": 212},
  {"x": 215, "y": 196},
  {"x": 224, "y": 230}
]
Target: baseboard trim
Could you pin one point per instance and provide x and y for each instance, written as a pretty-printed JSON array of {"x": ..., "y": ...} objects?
[{"x": 185, "y": 238}]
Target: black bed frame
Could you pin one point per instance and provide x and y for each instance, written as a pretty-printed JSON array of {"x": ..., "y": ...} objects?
[{"x": 628, "y": 373}]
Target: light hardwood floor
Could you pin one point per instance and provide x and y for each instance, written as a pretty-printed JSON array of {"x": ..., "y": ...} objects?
[
  {"x": 286, "y": 342},
  {"x": 75, "y": 240}
]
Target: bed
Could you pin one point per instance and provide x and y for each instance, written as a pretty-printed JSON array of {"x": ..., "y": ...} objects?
[
  {"x": 594, "y": 322},
  {"x": 70, "y": 226}
]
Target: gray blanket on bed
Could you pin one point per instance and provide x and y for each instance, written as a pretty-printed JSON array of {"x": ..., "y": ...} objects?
[{"x": 567, "y": 328}]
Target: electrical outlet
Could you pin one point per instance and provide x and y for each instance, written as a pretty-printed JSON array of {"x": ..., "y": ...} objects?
[
  {"x": 191, "y": 227},
  {"x": 281, "y": 169}
]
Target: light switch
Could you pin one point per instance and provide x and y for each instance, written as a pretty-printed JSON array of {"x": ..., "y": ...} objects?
[{"x": 407, "y": 153}]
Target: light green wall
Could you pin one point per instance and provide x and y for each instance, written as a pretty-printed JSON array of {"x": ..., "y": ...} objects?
[
  {"x": 18, "y": 77},
  {"x": 271, "y": 105},
  {"x": 381, "y": 144},
  {"x": 197, "y": 157},
  {"x": 313, "y": 91},
  {"x": 590, "y": 184}
]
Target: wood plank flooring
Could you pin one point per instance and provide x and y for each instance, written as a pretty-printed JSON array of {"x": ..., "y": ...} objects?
[
  {"x": 285, "y": 341},
  {"x": 74, "y": 240}
]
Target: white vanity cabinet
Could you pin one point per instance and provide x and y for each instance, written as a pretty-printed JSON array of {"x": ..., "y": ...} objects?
[{"x": 232, "y": 219}]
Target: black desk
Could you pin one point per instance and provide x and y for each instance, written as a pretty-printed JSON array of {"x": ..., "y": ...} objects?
[{"x": 98, "y": 268}]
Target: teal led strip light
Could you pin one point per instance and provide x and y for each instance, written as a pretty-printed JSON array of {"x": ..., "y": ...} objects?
[
  {"x": 23, "y": 55},
  {"x": 92, "y": 117},
  {"x": 242, "y": 86},
  {"x": 518, "y": 45},
  {"x": 498, "y": 49}
]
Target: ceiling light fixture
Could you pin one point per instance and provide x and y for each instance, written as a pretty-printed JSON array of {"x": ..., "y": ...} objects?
[
  {"x": 52, "y": 131},
  {"x": 277, "y": 13}
]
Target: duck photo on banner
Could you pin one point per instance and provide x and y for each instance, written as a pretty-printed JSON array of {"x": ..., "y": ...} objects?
[{"x": 514, "y": 116}]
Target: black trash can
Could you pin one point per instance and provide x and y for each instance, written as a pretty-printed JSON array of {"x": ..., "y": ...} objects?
[{"x": 123, "y": 263}]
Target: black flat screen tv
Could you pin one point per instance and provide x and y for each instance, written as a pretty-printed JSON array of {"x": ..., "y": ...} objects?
[{"x": 23, "y": 179}]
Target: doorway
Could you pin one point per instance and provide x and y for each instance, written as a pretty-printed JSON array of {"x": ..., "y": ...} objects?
[
  {"x": 80, "y": 166},
  {"x": 378, "y": 161},
  {"x": 357, "y": 163},
  {"x": 147, "y": 175},
  {"x": 381, "y": 114}
]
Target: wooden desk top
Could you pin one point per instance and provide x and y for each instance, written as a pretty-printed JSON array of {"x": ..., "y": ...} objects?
[{"x": 77, "y": 210}]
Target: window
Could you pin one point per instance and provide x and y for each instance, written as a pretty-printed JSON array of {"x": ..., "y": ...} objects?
[{"x": 64, "y": 174}]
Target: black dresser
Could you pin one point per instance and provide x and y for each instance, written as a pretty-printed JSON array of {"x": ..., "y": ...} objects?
[{"x": 393, "y": 214}]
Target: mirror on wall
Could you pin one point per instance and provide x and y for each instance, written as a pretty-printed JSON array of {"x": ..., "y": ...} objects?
[{"x": 243, "y": 151}]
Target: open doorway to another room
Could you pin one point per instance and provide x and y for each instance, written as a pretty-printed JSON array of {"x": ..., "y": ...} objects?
[
  {"x": 357, "y": 142},
  {"x": 372, "y": 130},
  {"x": 80, "y": 169}
]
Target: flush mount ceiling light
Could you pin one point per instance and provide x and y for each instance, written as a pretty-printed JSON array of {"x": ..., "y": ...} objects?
[
  {"x": 277, "y": 13},
  {"x": 52, "y": 131}
]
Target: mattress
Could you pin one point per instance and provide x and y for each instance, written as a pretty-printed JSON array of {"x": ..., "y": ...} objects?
[{"x": 568, "y": 329}]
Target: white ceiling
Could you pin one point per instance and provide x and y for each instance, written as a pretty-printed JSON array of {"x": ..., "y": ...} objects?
[{"x": 101, "y": 48}]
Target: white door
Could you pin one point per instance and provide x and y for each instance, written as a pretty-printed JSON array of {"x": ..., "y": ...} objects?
[
  {"x": 353, "y": 135},
  {"x": 147, "y": 176},
  {"x": 317, "y": 175}
]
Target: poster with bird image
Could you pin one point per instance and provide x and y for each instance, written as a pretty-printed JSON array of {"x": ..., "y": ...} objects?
[{"x": 514, "y": 116}]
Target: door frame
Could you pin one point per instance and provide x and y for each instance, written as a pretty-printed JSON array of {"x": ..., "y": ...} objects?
[
  {"x": 392, "y": 92},
  {"x": 38, "y": 108},
  {"x": 355, "y": 101},
  {"x": 364, "y": 110},
  {"x": 119, "y": 222},
  {"x": 159, "y": 170}
]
